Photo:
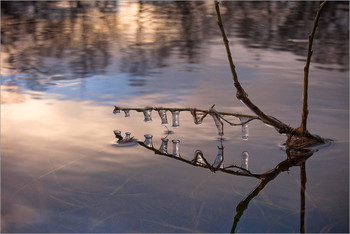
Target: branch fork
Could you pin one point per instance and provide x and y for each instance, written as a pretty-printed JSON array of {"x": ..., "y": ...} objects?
[{"x": 296, "y": 136}]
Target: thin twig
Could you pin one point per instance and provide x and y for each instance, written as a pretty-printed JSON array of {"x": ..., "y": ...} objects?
[
  {"x": 228, "y": 51},
  {"x": 195, "y": 116},
  {"x": 305, "y": 110},
  {"x": 243, "y": 96},
  {"x": 230, "y": 123},
  {"x": 117, "y": 108}
]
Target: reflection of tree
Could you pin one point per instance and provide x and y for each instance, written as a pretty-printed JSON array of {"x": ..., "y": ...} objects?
[
  {"x": 107, "y": 6},
  {"x": 161, "y": 30},
  {"x": 273, "y": 24},
  {"x": 91, "y": 55},
  {"x": 191, "y": 38},
  {"x": 42, "y": 41},
  {"x": 77, "y": 39},
  {"x": 137, "y": 58}
]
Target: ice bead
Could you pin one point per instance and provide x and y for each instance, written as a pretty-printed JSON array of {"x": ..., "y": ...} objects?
[
  {"x": 245, "y": 129},
  {"x": 176, "y": 119},
  {"x": 127, "y": 136},
  {"x": 219, "y": 125},
  {"x": 148, "y": 140},
  {"x": 164, "y": 146},
  {"x": 148, "y": 115},
  {"x": 163, "y": 117},
  {"x": 244, "y": 160},
  {"x": 218, "y": 163},
  {"x": 176, "y": 148}
]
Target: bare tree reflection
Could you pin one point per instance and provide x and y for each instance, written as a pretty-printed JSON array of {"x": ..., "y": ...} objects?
[
  {"x": 107, "y": 6},
  {"x": 275, "y": 25},
  {"x": 54, "y": 33}
]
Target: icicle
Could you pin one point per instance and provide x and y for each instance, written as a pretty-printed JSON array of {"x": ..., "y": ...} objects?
[
  {"x": 117, "y": 133},
  {"x": 197, "y": 117},
  {"x": 127, "y": 136},
  {"x": 176, "y": 148},
  {"x": 164, "y": 146},
  {"x": 148, "y": 140},
  {"x": 245, "y": 129},
  {"x": 176, "y": 119},
  {"x": 198, "y": 158},
  {"x": 219, "y": 125},
  {"x": 219, "y": 159},
  {"x": 244, "y": 160},
  {"x": 163, "y": 117},
  {"x": 127, "y": 113},
  {"x": 148, "y": 115}
]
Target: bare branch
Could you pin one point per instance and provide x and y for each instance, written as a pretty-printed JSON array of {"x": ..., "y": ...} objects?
[
  {"x": 305, "y": 110},
  {"x": 230, "y": 123},
  {"x": 228, "y": 51},
  {"x": 295, "y": 136},
  {"x": 117, "y": 109},
  {"x": 241, "y": 94}
]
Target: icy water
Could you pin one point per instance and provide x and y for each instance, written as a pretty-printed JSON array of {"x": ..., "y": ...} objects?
[{"x": 64, "y": 66}]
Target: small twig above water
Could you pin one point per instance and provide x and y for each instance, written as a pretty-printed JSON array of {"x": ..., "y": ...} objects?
[
  {"x": 305, "y": 110},
  {"x": 192, "y": 110},
  {"x": 241, "y": 94},
  {"x": 296, "y": 138}
]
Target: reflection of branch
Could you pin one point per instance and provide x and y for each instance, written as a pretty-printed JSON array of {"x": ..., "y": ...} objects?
[
  {"x": 195, "y": 162},
  {"x": 295, "y": 158},
  {"x": 302, "y": 196},
  {"x": 243, "y": 96}
]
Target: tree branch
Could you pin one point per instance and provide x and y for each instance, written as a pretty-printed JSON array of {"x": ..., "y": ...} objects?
[
  {"x": 241, "y": 94},
  {"x": 295, "y": 136},
  {"x": 305, "y": 110},
  {"x": 117, "y": 109}
]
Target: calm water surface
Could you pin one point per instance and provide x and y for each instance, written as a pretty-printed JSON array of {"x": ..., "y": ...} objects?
[{"x": 64, "y": 65}]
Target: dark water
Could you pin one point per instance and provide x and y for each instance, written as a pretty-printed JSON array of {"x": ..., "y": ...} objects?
[{"x": 65, "y": 64}]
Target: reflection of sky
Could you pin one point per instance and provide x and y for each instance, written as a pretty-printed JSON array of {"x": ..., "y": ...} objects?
[
  {"x": 108, "y": 88},
  {"x": 70, "y": 149}
]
